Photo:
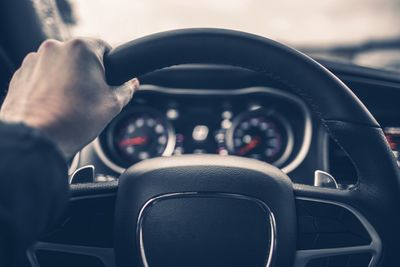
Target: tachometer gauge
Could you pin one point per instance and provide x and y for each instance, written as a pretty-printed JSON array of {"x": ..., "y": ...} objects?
[
  {"x": 261, "y": 135},
  {"x": 141, "y": 134}
]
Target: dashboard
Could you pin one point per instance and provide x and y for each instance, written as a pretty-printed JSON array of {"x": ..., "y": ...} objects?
[
  {"x": 210, "y": 109},
  {"x": 195, "y": 109},
  {"x": 263, "y": 123}
]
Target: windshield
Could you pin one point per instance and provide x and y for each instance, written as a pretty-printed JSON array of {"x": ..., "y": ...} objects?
[{"x": 306, "y": 24}]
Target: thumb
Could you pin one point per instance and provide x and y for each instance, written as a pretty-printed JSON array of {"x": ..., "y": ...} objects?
[{"x": 124, "y": 93}]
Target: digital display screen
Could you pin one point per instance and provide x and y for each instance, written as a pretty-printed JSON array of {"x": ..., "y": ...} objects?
[
  {"x": 393, "y": 137},
  {"x": 197, "y": 130}
]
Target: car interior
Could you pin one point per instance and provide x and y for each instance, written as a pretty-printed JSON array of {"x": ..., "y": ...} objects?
[{"x": 237, "y": 150}]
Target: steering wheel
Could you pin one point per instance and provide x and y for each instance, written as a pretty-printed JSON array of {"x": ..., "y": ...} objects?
[{"x": 204, "y": 210}]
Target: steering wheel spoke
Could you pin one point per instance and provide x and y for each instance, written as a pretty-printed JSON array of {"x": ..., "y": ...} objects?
[
  {"x": 368, "y": 255},
  {"x": 331, "y": 229}
]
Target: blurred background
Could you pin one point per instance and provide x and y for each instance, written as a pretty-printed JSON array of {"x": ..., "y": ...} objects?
[{"x": 366, "y": 32}]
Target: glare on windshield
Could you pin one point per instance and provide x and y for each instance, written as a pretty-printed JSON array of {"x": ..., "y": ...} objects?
[{"x": 309, "y": 22}]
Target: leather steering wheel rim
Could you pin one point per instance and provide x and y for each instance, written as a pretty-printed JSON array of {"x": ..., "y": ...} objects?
[{"x": 347, "y": 120}]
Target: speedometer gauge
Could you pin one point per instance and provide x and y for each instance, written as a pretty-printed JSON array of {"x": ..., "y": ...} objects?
[
  {"x": 141, "y": 134},
  {"x": 261, "y": 135}
]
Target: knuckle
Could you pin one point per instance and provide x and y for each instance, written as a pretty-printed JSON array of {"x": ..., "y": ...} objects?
[
  {"x": 100, "y": 44},
  {"x": 109, "y": 103},
  {"x": 79, "y": 44},
  {"x": 82, "y": 48},
  {"x": 116, "y": 105},
  {"x": 15, "y": 75},
  {"x": 48, "y": 44},
  {"x": 30, "y": 56}
]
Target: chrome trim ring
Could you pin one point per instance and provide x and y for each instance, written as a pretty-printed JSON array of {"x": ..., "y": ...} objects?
[
  {"x": 152, "y": 201},
  {"x": 104, "y": 158},
  {"x": 168, "y": 150},
  {"x": 287, "y": 128}
]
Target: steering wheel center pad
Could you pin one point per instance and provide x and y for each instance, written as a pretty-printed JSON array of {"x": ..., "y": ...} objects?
[{"x": 205, "y": 210}]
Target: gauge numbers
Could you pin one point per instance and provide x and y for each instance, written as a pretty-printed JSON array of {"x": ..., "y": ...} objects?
[
  {"x": 141, "y": 135},
  {"x": 262, "y": 136}
]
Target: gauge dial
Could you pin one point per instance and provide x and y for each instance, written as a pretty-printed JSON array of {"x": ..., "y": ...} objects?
[
  {"x": 261, "y": 135},
  {"x": 140, "y": 135}
]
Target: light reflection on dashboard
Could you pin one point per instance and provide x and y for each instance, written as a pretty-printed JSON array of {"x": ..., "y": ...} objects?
[{"x": 393, "y": 137}]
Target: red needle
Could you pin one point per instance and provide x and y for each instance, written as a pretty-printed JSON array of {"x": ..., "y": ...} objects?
[
  {"x": 252, "y": 144},
  {"x": 139, "y": 140}
]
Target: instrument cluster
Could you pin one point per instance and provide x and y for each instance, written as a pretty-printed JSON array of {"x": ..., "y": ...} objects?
[{"x": 260, "y": 123}]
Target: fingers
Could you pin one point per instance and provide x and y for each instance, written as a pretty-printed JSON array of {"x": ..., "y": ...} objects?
[
  {"x": 49, "y": 45},
  {"x": 124, "y": 93},
  {"x": 87, "y": 49},
  {"x": 100, "y": 47},
  {"x": 29, "y": 58},
  {"x": 29, "y": 61},
  {"x": 84, "y": 52},
  {"x": 97, "y": 46},
  {"x": 81, "y": 48}
]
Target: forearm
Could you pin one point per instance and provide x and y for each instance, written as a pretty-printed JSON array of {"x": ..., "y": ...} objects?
[{"x": 33, "y": 188}]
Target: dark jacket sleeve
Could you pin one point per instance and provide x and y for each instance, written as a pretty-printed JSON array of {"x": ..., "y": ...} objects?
[{"x": 33, "y": 189}]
